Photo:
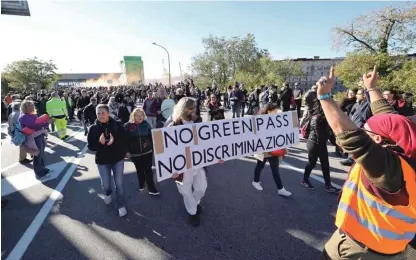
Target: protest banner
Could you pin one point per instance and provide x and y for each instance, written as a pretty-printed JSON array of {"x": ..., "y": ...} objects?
[{"x": 192, "y": 146}]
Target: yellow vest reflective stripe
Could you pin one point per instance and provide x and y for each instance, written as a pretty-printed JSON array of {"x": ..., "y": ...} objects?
[{"x": 378, "y": 225}]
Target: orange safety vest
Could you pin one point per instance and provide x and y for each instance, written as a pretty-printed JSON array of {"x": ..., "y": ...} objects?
[{"x": 368, "y": 219}]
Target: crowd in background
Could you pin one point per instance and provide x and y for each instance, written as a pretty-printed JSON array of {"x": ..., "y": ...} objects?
[{"x": 118, "y": 121}]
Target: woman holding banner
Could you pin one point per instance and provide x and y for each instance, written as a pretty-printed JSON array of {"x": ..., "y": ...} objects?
[
  {"x": 273, "y": 158},
  {"x": 192, "y": 184}
]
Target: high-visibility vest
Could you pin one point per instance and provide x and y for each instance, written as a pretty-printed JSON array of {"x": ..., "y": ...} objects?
[
  {"x": 368, "y": 219},
  {"x": 56, "y": 107}
]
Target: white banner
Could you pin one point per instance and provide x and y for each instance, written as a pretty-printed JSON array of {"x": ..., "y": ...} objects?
[{"x": 192, "y": 146}]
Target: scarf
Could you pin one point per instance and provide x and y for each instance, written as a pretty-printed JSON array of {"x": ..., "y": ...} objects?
[{"x": 399, "y": 129}]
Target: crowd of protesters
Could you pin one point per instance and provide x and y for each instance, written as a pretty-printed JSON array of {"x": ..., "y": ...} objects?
[{"x": 374, "y": 132}]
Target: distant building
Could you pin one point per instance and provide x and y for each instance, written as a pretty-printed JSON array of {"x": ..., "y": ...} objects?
[
  {"x": 132, "y": 70},
  {"x": 313, "y": 69}
]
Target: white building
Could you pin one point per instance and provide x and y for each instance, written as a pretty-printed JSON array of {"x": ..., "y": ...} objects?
[{"x": 313, "y": 69}]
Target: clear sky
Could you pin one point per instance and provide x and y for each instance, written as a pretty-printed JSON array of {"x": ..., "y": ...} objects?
[{"x": 92, "y": 36}]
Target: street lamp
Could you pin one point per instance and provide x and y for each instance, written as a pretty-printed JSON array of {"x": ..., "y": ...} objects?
[{"x": 170, "y": 84}]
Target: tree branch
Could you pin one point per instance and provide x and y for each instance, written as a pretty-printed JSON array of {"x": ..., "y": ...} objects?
[{"x": 355, "y": 38}]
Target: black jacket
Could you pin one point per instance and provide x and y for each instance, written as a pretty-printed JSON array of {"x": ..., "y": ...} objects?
[
  {"x": 214, "y": 111},
  {"x": 107, "y": 154},
  {"x": 89, "y": 114},
  {"x": 319, "y": 130},
  {"x": 139, "y": 138},
  {"x": 83, "y": 102},
  {"x": 286, "y": 96},
  {"x": 42, "y": 106},
  {"x": 123, "y": 114},
  {"x": 360, "y": 113}
]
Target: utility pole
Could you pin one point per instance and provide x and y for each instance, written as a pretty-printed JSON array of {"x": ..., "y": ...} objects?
[{"x": 170, "y": 80}]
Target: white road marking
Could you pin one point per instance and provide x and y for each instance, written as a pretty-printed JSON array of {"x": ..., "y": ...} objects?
[
  {"x": 10, "y": 167},
  {"x": 24, "y": 180},
  {"x": 47, "y": 149},
  {"x": 24, "y": 242}
]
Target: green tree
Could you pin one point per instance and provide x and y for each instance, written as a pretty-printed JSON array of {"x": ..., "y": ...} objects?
[
  {"x": 33, "y": 73},
  {"x": 224, "y": 57},
  {"x": 226, "y": 60},
  {"x": 382, "y": 38},
  {"x": 388, "y": 30},
  {"x": 4, "y": 86},
  {"x": 405, "y": 78},
  {"x": 268, "y": 72}
]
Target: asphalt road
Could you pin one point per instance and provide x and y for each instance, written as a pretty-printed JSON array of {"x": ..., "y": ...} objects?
[{"x": 66, "y": 218}]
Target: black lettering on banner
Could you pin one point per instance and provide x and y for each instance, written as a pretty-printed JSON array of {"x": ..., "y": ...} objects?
[
  {"x": 250, "y": 146},
  {"x": 168, "y": 168},
  {"x": 290, "y": 138},
  {"x": 215, "y": 129},
  {"x": 236, "y": 127},
  {"x": 210, "y": 154},
  {"x": 224, "y": 151},
  {"x": 249, "y": 126},
  {"x": 196, "y": 162},
  {"x": 207, "y": 136},
  {"x": 282, "y": 140},
  {"x": 286, "y": 122},
  {"x": 259, "y": 121},
  {"x": 239, "y": 146},
  {"x": 226, "y": 128},
  {"x": 181, "y": 135},
  {"x": 178, "y": 165},
  {"x": 216, "y": 152},
  {"x": 270, "y": 123},
  {"x": 173, "y": 139},
  {"x": 279, "y": 123},
  {"x": 245, "y": 147},
  {"x": 270, "y": 143},
  {"x": 259, "y": 144}
]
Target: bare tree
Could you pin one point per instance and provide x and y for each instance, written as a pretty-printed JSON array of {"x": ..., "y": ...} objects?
[{"x": 391, "y": 30}]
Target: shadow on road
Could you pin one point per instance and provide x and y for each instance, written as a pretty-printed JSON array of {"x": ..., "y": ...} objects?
[{"x": 238, "y": 222}]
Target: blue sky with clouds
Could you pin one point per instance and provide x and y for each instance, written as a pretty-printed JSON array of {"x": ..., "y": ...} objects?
[{"x": 92, "y": 36}]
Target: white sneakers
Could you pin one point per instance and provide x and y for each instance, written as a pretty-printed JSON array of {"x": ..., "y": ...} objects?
[
  {"x": 282, "y": 192},
  {"x": 107, "y": 200},
  {"x": 257, "y": 185},
  {"x": 122, "y": 212}
]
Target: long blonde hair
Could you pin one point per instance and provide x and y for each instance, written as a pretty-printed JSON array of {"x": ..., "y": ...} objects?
[
  {"x": 180, "y": 109},
  {"x": 136, "y": 111}
]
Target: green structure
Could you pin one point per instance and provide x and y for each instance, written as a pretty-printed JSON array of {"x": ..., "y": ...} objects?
[{"x": 132, "y": 67}]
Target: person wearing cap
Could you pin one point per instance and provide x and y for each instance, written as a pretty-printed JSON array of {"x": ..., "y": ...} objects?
[
  {"x": 376, "y": 215},
  {"x": 56, "y": 109}
]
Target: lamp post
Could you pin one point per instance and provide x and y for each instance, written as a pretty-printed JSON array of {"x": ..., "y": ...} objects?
[{"x": 170, "y": 83}]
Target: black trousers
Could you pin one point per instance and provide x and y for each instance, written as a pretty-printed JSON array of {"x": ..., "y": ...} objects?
[
  {"x": 144, "y": 172},
  {"x": 316, "y": 151},
  {"x": 243, "y": 107},
  {"x": 298, "y": 108}
]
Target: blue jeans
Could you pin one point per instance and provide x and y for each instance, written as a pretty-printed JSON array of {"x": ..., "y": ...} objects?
[
  {"x": 105, "y": 176},
  {"x": 236, "y": 110},
  {"x": 274, "y": 166},
  {"x": 39, "y": 161}
]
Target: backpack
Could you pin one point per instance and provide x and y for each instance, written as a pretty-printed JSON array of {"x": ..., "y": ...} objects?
[{"x": 18, "y": 138}]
